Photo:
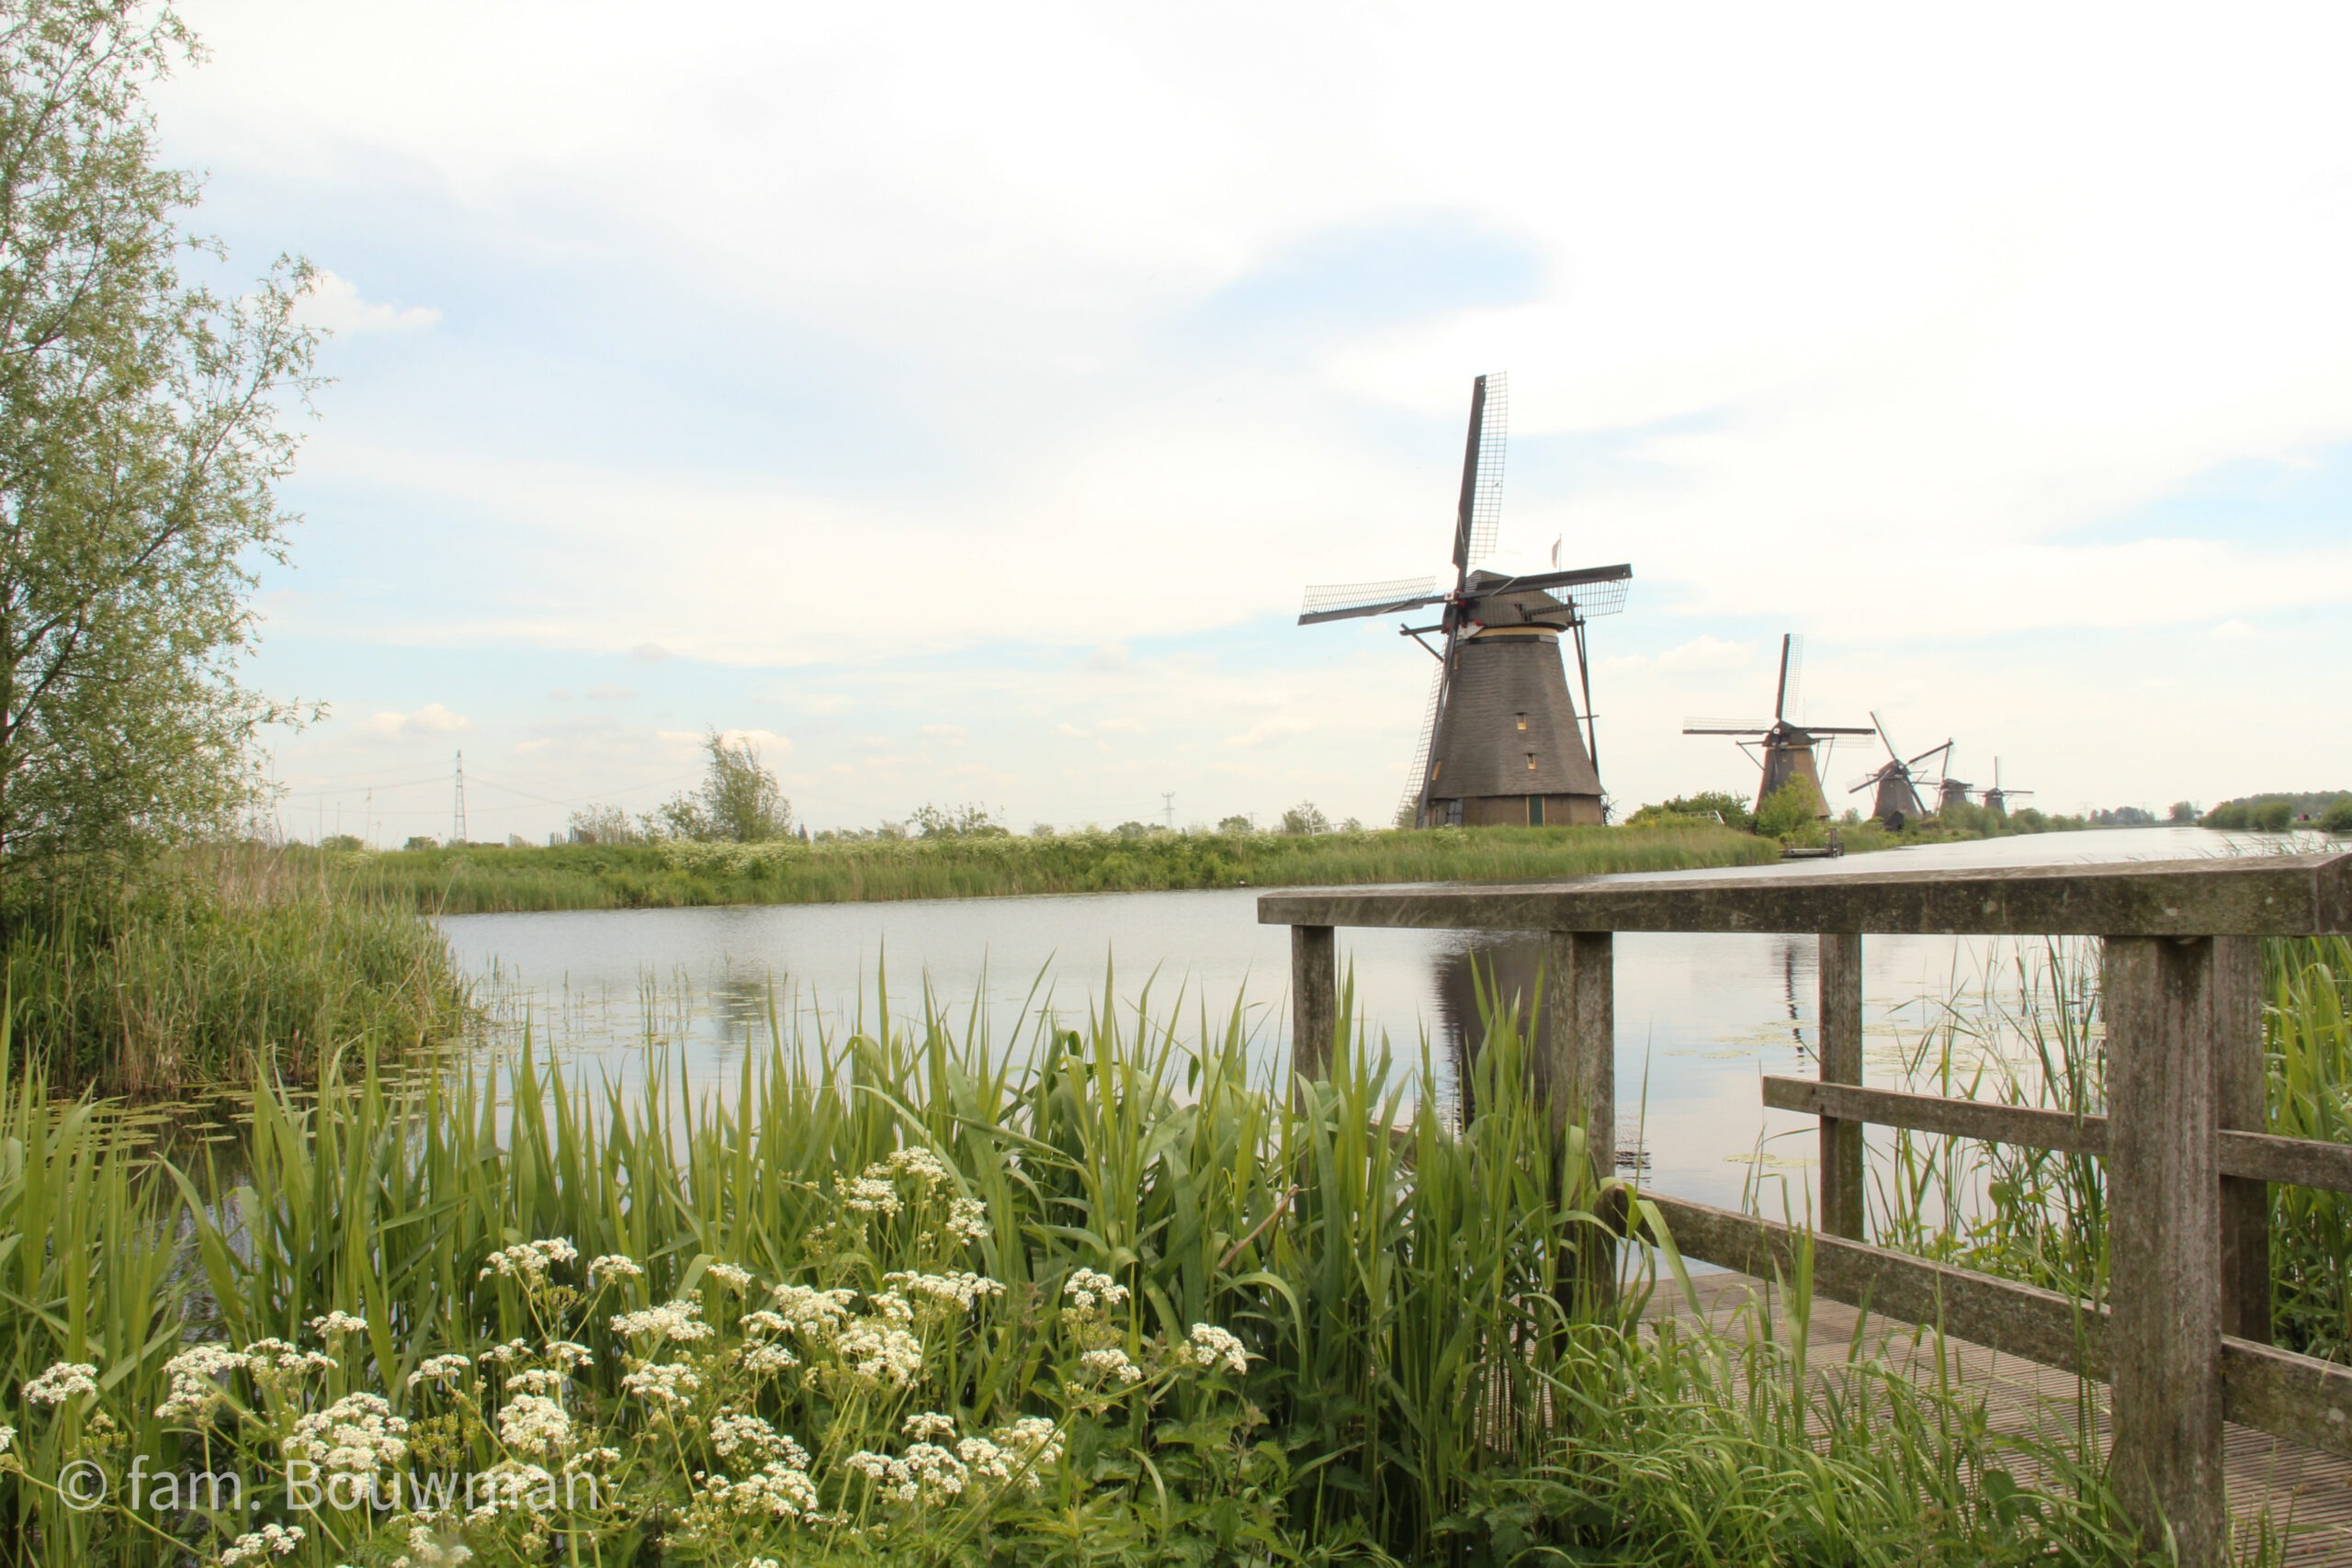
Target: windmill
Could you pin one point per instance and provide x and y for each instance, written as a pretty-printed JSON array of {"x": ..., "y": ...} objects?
[
  {"x": 1787, "y": 748},
  {"x": 1996, "y": 799},
  {"x": 1501, "y": 741},
  {"x": 1949, "y": 791},
  {"x": 1898, "y": 788}
]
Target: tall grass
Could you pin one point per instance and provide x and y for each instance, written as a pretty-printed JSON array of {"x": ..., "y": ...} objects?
[
  {"x": 1425, "y": 1386},
  {"x": 219, "y": 966},
  {"x": 478, "y": 880}
]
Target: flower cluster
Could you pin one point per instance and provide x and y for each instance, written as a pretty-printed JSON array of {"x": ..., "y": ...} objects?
[
  {"x": 680, "y": 1320},
  {"x": 196, "y": 1392},
  {"x": 335, "y": 1324},
  {"x": 612, "y": 1266},
  {"x": 533, "y": 1423},
  {"x": 270, "y": 1541},
  {"x": 1090, "y": 1292},
  {"x": 1216, "y": 1349},
  {"x": 357, "y": 1435},
  {"x": 960, "y": 1290},
  {"x": 529, "y": 1261},
  {"x": 61, "y": 1383}
]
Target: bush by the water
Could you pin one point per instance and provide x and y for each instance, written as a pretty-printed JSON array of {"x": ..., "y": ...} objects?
[
  {"x": 224, "y": 966},
  {"x": 902, "y": 1298}
]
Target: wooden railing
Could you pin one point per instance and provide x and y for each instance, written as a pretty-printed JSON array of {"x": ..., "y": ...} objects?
[{"x": 2182, "y": 1340}]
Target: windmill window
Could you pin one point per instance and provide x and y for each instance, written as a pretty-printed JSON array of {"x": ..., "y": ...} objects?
[
  {"x": 1522, "y": 721},
  {"x": 1531, "y": 762}
]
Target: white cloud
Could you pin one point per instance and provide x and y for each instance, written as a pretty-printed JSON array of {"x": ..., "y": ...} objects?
[
  {"x": 333, "y": 302},
  {"x": 610, "y": 694},
  {"x": 1704, "y": 653},
  {"x": 426, "y": 723}
]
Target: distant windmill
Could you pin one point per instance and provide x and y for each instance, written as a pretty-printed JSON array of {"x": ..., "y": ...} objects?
[
  {"x": 1787, "y": 748},
  {"x": 1949, "y": 791},
  {"x": 1501, "y": 741},
  {"x": 1898, "y": 790},
  {"x": 1996, "y": 798}
]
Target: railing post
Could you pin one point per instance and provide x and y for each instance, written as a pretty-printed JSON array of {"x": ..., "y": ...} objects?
[
  {"x": 1580, "y": 1077},
  {"x": 1314, "y": 999},
  {"x": 2241, "y": 1094},
  {"x": 1843, "y": 1206},
  {"x": 1579, "y": 1084},
  {"x": 2161, "y": 995}
]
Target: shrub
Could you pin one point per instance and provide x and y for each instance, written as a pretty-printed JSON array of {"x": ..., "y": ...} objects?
[{"x": 2337, "y": 819}]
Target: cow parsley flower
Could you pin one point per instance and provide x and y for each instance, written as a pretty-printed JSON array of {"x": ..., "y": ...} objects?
[
  {"x": 529, "y": 1261},
  {"x": 926, "y": 1426},
  {"x": 439, "y": 1369},
  {"x": 661, "y": 1383},
  {"x": 1216, "y": 1349},
  {"x": 959, "y": 1290},
  {"x": 680, "y": 1320},
  {"x": 1088, "y": 1290},
  {"x": 968, "y": 1220},
  {"x": 817, "y": 1313},
  {"x": 270, "y": 1541},
  {"x": 736, "y": 1280},
  {"x": 614, "y": 1265},
  {"x": 61, "y": 1381},
  {"x": 870, "y": 1195},
  {"x": 357, "y": 1435},
  {"x": 532, "y": 1423},
  {"x": 335, "y": 1324},
  {"x": 1111, "y": 1366},
  {"x": 878, "y": 1353},
  {"x": 276, "y": 1364},
  {"x": 194, "y": 1394}
]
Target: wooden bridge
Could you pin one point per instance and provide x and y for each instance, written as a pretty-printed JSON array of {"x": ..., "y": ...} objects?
[{"x": 2182, "y": 1341}]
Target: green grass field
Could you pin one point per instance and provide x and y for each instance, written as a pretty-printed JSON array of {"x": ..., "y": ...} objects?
[{"x": 481, "y": 880}]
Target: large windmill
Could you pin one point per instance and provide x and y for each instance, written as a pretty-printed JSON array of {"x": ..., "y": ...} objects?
[
  {"x": 1787, "y": 748},
  {"x": 1996, "y": 799},
  {"x": 1898, "y": 799},
  {"x": 1502, "y": 741}
]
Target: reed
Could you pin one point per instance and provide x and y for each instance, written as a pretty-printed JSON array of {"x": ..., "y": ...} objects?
[
  {"x": 482, "y": 879},
  {"x": 220, "y": 966},
  {"x": 1415, "y": 1387}
]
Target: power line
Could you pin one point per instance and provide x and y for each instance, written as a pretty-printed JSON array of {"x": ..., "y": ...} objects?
[{"x": 457, "y": 829}]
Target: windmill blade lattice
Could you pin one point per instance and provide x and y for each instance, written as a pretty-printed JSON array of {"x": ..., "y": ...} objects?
[
  {"x": 1487, "y": 481},
  {"x": 1338, "y": 601}
]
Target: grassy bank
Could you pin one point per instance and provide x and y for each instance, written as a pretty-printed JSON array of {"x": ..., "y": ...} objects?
[
  {"x": 219, "y": 966},
  {"x": 478, "y": 880},
  {"x": 1118, "y": 1304}
]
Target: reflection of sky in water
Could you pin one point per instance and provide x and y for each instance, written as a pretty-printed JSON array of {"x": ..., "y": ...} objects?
[{"x": 1699, "y": 1017}]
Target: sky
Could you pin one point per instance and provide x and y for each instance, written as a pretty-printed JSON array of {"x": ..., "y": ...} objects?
[{"x": 956, "y": 400}]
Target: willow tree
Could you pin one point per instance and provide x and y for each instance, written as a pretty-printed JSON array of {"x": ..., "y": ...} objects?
[{"x": 142, "y": 438}]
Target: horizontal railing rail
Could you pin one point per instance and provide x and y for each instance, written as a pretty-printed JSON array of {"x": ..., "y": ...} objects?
[{"x": 2182, "y": 1340}]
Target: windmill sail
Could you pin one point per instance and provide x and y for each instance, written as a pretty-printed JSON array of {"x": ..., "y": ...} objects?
[
  {"x": 1344, "y": 601},
  {"x": 1479, "y": 517},
  {"x": 1416, "y": 781}
]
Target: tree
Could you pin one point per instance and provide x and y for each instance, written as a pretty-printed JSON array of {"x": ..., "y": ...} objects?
[
  {"x": 1236, "y": 825},
  {"x": 2337, "y": 817},
  {"x": 1789, "y": 809},
  {"x": 603, "y": 825},
  {"x": 2183, "y": 811},
  {"x": 739, "y": 799},
  {"x": 1305, "y": 818},
  {"x": 140, "y": 444},
  {"x": 956, "y": 822}
]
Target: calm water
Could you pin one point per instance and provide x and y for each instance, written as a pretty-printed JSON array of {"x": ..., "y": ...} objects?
[{"x": 1699, "y": 1018}]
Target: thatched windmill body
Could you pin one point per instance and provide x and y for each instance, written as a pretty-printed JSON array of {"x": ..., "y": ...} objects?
[
  {"x": 1502, "y": 741},
  {"x": 1996, "y": 799},
  {"x": 1784, "y": 750},
  {"x": 1897, "y": 797}
]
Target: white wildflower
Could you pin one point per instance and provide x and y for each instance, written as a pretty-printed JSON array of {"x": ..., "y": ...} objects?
[
  {"x": 968, "y": 1220},
  {"x": 1033, "y": 1442},
  {"x": 766, "y": 1360},
  {"x": 275, "y": 1363},
  {"x": 663, "y": 1383},
  {"x": 819, "y": 1314},
  {"x": 440, "y": 1369},
  {"x": 270, "y": 1541},
  {"x": 357, "y": 1435},
  {"x": 938, "y": 1475},
  {"x": 961, "y": 1290},
  {"x": 927, "y": 1425},
  {"x": 614, "y": 1266},
  {"x": 506, "y": 1355},
  {"x": 779, "y": 1492},
  {"x": 529, "y": 1261},
  {"x": 545, "y": 1381},
  {"x": 1216, "y": 1349},
  {"x": 7, "y": 1438},
  {"x": 1086, "y": 1290},
  {"x": 534, "y": 1423},
  {"x": 569, "y": 1355},
  {"x": 61, "y": 1381},
  {"x": 193, "y": 1394},
  {"x": 870, "y": 1195},
  {"x": 921, "y": 1164},
  {"x": 734, "y": 1431},
  {"x": 891, "y": 1307},
  {"x": 879, "y": 1353},
  {"x": 680, "y": 1320},
  {"x": 1111, "y": 1366},
  {"x": 890, "y": 1477},
  {"x": 736, "y": 1280},
  {"x": 335, "y": 1324},
  {"x": 509, "y": 1486}
]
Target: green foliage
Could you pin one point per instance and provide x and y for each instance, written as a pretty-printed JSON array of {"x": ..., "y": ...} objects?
[
  {"x": 2337, "y": 819},
  {"x": 1789, "y": 811},
  {"x": 1411, "y": 1387},
  {"x": 139, "y": 444},
  {"x": 740, "y": 801},
  {"x": 228, "y": 965},
  {"x": 2182, "y": 812},
  {"x": 956, "y": 822},
  {"x": 2275, "y": 813},
  {"x": 1305, "y": 818},
  {"x": 1235, "y": 825},
  {"x": 1707, "y": 806},
  {"x": 478, "y": 880}
]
